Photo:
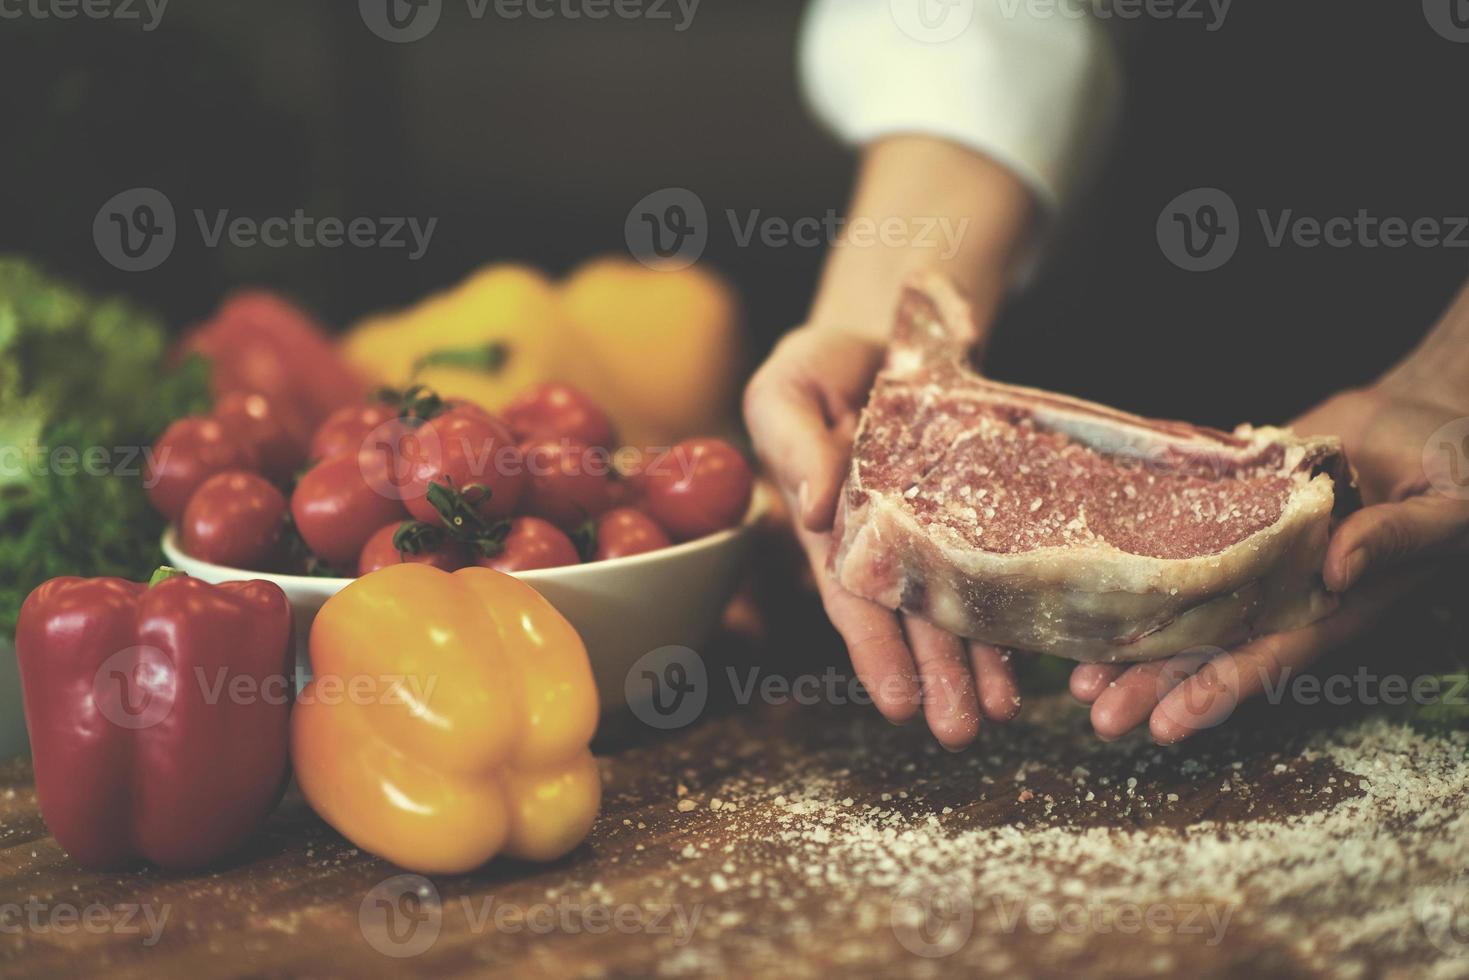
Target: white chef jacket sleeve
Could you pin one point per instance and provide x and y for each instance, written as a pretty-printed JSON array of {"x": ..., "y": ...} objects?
[{"x": 1030, "y": 83}]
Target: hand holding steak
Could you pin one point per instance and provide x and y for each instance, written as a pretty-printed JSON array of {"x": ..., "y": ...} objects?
[
  {"x": 1032, "y": 520},
  {"x": 1405, "y": 436}
]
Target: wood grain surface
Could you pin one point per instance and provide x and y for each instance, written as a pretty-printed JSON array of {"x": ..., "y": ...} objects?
[{"x": 789, "y": 839}]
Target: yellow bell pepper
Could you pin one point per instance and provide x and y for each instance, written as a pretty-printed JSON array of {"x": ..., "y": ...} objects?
[
  {"x": 487, "y": 339},
  {"x": 448, "y": 720},
  {"x": 658, "y": 350}
]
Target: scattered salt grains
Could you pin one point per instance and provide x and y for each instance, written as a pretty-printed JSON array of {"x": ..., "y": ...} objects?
[{"x": 1334, "y": 885}]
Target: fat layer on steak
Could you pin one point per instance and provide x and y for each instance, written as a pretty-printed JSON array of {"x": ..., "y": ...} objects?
[{"x": 1041, "y": 522}]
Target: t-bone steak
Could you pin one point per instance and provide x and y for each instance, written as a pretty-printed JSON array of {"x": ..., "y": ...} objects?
[{"x": 1036, "y": 521}]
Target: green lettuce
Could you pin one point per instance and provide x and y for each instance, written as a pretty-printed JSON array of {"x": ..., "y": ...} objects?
[{"x": 84, "y": 390}]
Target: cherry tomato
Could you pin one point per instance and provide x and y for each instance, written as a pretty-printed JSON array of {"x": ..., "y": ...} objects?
[
  {"x": 701, "y": 486},
  {"x": 272, "y": 430},
  {"x": 465, "y": 405},
  {"x": 345, "y": 430},
  {"x": 558, "y": 411},
  {"x": 461, "y": 449},
  {"x": 533, "y": 543},
  {"x": 381, "y": 551},
  {"x": 627, "y": 531},
  {"x": 336, "y": 508},
  {"x": 190, "y": 451},
  {"x": 568, "y": 482},
  {"x": 234, "y": 518}
]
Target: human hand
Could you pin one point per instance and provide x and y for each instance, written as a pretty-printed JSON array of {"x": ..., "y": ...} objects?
[
  {"x": 801, "y": 408},
  {"x": 1374, "y": 557}
]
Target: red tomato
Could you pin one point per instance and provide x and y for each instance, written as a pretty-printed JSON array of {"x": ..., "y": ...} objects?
[
  {"x": 345, "y": 430},
  {"x": 234, "y": 519},
  {"x": 558, "y": 411},
  {"x": 380, "y": 551},
  {"x": 533, "y": 543},
  {"x": 190, "y": 451},
  {"x": 259, "y": 342},
  {"x": 272, "y": 430},
  {"x": 465, "y": 405},
  {"x": 337, "y": 509},
  {"x": 627, "y": 531},
  {"x": 701, "y": 486},
  {"x": 463, "y": 448},
  {"x": 568, "y": 482}
]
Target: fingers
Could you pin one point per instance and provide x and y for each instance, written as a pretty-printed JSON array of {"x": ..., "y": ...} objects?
[
  {"x": 879, "y": 653},
  {"x": 874, "y": 640},
  {"x": 1127, "y": 701},
  {"x": 1388, "y": 534},
  {"x": 1088, "y": 681},
  {"x": 994, "y": 675},
  {"x": 950, "y": 704},
  {"x": 791, "y": 437},
  {"x": 1220, "y": 685},
  {"x": 905, "y": 662},
  {"x": 791, "y": 406}
]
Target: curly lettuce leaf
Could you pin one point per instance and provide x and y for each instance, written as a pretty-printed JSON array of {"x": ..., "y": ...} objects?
[{"x": 83, "y": 390}]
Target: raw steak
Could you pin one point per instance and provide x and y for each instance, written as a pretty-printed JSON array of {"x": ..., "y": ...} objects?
[{"x": 1040, "y": 522}]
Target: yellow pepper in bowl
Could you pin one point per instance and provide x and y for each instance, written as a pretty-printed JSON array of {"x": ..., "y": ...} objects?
[
  {"x": 658, "y": 350},
  {"x": 448, "y": 720},
  {"x": 487, "y": 339}
]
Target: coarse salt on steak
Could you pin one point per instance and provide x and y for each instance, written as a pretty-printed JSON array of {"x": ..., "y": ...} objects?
[{"x": 1041, "y": 522}]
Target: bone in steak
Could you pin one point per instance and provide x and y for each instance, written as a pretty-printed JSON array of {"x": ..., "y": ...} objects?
[{"x": 1041, "y": 522}]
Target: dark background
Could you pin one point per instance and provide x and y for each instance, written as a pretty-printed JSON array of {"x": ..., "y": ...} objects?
[{"x": 531, "y": 139}]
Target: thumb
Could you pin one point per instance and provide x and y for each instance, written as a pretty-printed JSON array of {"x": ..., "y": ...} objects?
[
  {"x": 1383, "y": 535},
  {"x": 806, "y": 458}
]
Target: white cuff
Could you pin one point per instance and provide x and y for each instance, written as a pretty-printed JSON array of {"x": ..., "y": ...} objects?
[{"x": 1035, "y": 90}]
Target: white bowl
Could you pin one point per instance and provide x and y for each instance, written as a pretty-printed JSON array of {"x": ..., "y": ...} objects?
[{"x": 623, "y": 608}]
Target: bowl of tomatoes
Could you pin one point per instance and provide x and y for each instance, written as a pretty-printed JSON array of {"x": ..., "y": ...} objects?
[{"x": 639, "y": 547}]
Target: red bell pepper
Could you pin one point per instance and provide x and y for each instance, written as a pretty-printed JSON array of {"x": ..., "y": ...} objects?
[
  {"x": 261, "y": 343},
  {"x": 158, "y": 714}
]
